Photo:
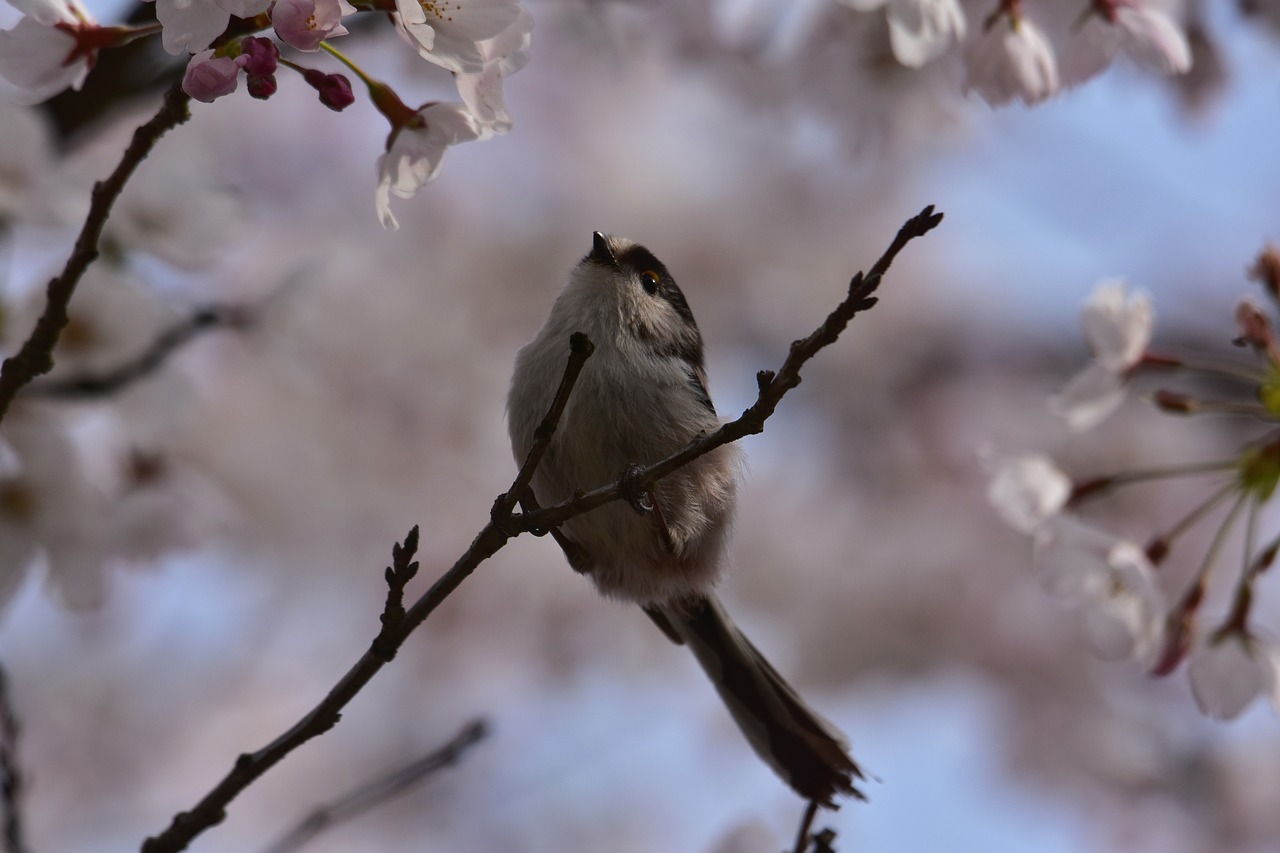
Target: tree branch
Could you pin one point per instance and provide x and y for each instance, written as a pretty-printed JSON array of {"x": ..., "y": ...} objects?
[
  {"x": 35, "y": 357},
  {"x": 504, "y": 525},
  {"x": 10, "y": 776},
  {"x": 373, "y": 793},
  {"x": 93, "y": 385}
]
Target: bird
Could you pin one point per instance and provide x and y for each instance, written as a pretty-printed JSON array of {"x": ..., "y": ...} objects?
[{"x": 641, "y": 397}]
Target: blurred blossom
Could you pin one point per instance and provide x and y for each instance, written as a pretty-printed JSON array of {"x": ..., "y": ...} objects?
[
  {"x": 919, "y": 30},
  {"x": 303, "y": 24},
  {"x": 1147, "y": 35},
  {"x": 176, "y": 208},
  {"x": 416, "y": 150},
  {"x": 1028, "y": 490},
  {"x": 31, "y": 188},
  {"x": 450, "y": 33},
  {"x": 50, "y": 49},
  {"x": 49, "y": 509},
  {"x": 1231, "y": 669},
  {"x": 1011, "y": 60},
  {"x": 1117, "y": 326},
  {"x": 190, "y": 26}
]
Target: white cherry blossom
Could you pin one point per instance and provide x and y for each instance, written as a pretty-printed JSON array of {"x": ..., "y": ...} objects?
[
  {"x": 1028, "y": 490},
  {"x": 1146, "y": 34},
  {"x": 42, "y": 54},
  {"x": 450, "y": 32},
  {"x": 190, "y": 26},
  {"x": 1230, "y": 670},
  {"x": 1110, "y": 581},
  {"x": 919, "y": 30},
  {"x": 416, "y": 150},
  {"x": 504, "y": 54},
  {"x": 1117, "y": 326},
  {"x": 1011, "y": 60}
]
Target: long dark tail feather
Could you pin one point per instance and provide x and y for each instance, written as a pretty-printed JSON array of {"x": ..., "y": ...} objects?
[{"x": 807, "y": 752}]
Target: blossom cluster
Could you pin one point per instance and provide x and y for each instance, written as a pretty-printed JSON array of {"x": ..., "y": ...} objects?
[
  {"x": 1129, "y": 606},
  {"x": 1028, "y": 51},
  {"x": 56, "y": 43}
]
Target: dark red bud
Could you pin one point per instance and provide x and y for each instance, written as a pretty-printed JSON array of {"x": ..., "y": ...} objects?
[
  {"x": 261, "y": 55},
  {"x": 259, "y": 86}
]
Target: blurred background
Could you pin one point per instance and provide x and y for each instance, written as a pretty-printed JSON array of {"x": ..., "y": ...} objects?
[{"x": 211, "y": 563}]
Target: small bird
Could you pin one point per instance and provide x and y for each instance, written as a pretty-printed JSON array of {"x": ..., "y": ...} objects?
[{"x": 640, "y": 398}]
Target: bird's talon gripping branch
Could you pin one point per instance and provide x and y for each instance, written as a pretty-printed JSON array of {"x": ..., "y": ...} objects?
[{"x": 633, "y": 491}]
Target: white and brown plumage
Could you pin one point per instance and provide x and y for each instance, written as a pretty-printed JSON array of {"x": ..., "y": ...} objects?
[{"x": 642, "y": 397}]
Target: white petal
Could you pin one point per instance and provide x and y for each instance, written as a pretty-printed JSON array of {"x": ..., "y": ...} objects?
[
  {"x": 1009, "y": 63},
  {"x": 1117, "y": 325},
  {"x": 1153, "y": 40},
  {"x": 32, "y": 58},
  {"x": 189, "y": 25},
  {"x": 1089, "y": 398},
  {"x": 1028, "y": 490},
  {"x": 1226, "y": 676},
  {"x": 1070, "y": 559},
  {"x": 921, "y": 30}
]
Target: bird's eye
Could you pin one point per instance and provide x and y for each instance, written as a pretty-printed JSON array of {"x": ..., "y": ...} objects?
[{"x": 649, "y": 281}]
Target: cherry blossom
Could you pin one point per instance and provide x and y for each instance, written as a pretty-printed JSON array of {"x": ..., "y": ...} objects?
[
  {"x": 919, "y": 30},
  {"x": 415, "y": 150},
  {"x": 51, "y": 48},
  {"x": 450, "y": 32},
  {"x": 504, "y": 54},
  {"x": 1111, "y": 582},
  {"x": 1230, "y": 670},
  {"x": 1011, "y": 60},
  {"x": 303, "y": 24},
  {"x": 1028, "y": 490},
  {"x": 190, "y": 26},
  {"x": 1147, "y": 35},
  {"x": 1117, "y": 325}
]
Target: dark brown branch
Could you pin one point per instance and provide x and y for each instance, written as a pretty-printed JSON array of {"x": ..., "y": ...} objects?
[
  {"x": 10, "y": 775},
  {"x": 806, "y": 823},
  {"x": 396, "y": 627},
  {"x": 380, "y": 790},
  {"x": 35, "y": 357},
  {"x": 503, "y": 526},
  {"x": 403, "y": 569},
  {"x": 92, "y": 385},
  {"x": 580, "y": 349}
]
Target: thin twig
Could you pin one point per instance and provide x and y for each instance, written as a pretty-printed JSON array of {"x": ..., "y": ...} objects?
[
  {"x": 108, "y": 382},
  {"x": 377, "y": 791},
  {"x": 35, "y": 357},
  {"x": 580, "y": 349},
  {"x": 10, "y": 775},
  {"x": 806, "y": 823},
  {"x": 502, "y": 527},
  {"x": 396, "y": 627}
]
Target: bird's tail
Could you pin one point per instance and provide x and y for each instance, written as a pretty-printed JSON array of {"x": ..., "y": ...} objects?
[{"x": 807, "y": 752}]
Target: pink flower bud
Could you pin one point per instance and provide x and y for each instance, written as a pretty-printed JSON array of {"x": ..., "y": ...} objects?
[
  {"x": 209, "y": 77},
  {"x": 335, "y": 89},
  {"x": 261, "y": 56}
]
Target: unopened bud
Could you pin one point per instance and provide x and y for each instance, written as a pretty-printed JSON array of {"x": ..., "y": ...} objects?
[
  {"x": 259, "y": 86},
  {"x": 261, "y": 56},
  {"x": 335, "y": 89},
  {"x": 1255, "y": 328},
  {"x": 1266, "y": 270}
]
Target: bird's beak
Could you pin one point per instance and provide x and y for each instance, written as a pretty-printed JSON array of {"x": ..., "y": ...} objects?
[{"x": 602, "y": 250}]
